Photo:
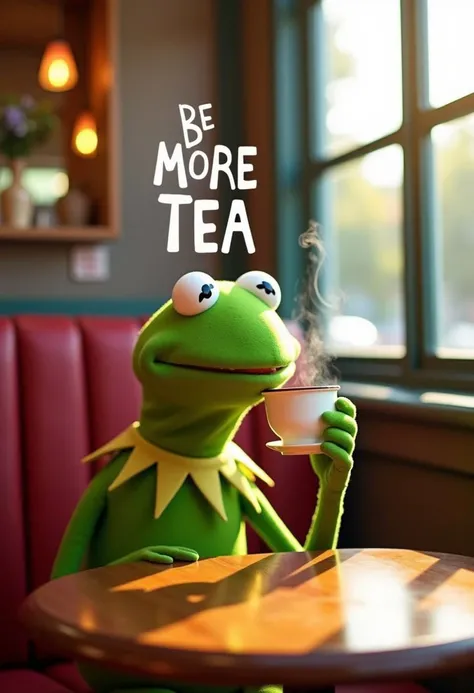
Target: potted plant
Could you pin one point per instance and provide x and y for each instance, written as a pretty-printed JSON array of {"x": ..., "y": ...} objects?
[{"x": 24, "y": 125}]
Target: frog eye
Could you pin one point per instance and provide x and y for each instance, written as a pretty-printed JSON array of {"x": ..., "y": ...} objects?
[
  {"x": 194, "y": 293},
  {"x": 263, "y": 286}
]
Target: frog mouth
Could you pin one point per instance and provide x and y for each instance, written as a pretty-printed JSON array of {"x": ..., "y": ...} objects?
[{"x": 263, "y": 370}]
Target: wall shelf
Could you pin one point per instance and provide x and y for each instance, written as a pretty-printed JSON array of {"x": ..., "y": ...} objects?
[
  {"x": 61, "y": 234},
  {"x": 90, "y": 27}
]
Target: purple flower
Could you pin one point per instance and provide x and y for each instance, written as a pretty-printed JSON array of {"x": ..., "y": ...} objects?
[
  {"x": 21, "y": 130},
  {"x": 15, "y": 120}
]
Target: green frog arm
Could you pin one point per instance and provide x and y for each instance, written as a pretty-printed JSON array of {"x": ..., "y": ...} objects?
[
  {"x": 82, "y": 525},
  {"x": 76, "y": 539},
  {"x": 333, "y": 467},
  {"x": 268, "y": 524}
]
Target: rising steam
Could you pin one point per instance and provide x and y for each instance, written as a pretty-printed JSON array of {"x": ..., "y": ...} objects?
[{"x": 315, "y": 367}]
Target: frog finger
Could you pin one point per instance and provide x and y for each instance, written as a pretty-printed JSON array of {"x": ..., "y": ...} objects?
[
  {"x": 342, "y": 460},
  {"x": 341, "y": 438},
  {"x": 154, "y": 557},
  {"x": 187, "y": 554},
  {"x": 181, "y": 553},
  {"x": 167, "y": 549},
  {"x": 147, "y": 554},
  {"x": 339, "y": 420},
  {"x": 346, "y": 406}
]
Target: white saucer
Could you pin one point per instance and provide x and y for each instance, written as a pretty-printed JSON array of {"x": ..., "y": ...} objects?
[{"x": 305, "y": 449}]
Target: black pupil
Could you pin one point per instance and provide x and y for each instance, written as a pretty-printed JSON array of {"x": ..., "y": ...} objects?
[
  {"x": 206, "y": 292},
  {"x": 267, "y": 287}
]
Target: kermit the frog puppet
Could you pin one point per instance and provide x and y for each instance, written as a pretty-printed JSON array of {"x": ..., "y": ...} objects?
[{"x": 177, "y": 488}]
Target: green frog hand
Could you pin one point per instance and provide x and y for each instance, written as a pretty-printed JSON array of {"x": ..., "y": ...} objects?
[
  {"x": 334, "y": 464},
  {"x": 160, "y": 554}
]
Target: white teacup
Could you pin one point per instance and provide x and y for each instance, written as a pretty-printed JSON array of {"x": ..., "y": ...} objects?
[{"x": 294, "y": 413}]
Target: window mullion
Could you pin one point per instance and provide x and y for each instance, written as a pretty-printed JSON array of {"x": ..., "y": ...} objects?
[
  {"x": 416, "y": 275},
  {"x": 289, "y": 149},
  {"x": 314, "y": 69},
  {"x": 303, "y": 12},
  {"x": 321, "y": 164},
  {"x": 430, "y": 117}
]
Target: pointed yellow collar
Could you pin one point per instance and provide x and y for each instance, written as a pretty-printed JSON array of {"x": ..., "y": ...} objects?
[{"x": 173, "y": 470}]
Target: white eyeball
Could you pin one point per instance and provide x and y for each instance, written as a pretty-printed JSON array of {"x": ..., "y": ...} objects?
[
  {"x": 263, "y": 286},
  {"x": 194, "y": 293}
]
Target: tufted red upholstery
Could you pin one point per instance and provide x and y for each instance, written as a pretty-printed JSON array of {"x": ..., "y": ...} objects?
[
  {"x": 12, "y": 536},
  {"x": 66, "y": 386},
  {"x": 107, "y": 353},
  {"x": 26, "y": 681},
  {"x": 56, "y": 432}
]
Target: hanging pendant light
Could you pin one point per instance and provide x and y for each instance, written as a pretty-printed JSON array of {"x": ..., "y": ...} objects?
[
  {"x": 58, "y": 71},
  {"x": 84, "y": 135}
]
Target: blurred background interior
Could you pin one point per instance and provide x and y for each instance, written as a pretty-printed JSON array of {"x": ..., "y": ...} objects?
[
  {"x": 363, "y": 117},
  {"x": 361, "y": 113}
]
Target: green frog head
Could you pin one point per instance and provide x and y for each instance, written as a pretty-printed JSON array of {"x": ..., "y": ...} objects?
[{"x": 216, "y": 342}]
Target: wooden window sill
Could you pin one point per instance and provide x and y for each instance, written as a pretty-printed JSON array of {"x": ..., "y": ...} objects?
[{"x": 452, "y": 409}]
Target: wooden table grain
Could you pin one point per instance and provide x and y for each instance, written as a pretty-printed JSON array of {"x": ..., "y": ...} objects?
[{"x": 304, "y": 619}]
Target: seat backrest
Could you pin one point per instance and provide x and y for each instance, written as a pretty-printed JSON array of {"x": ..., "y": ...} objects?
[
  {"x": 67, "y": 387},
  {"x": 12, "y": 534}
]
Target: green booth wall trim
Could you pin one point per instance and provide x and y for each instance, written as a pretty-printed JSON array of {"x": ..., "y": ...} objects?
[{"x": 87, "y": 306}]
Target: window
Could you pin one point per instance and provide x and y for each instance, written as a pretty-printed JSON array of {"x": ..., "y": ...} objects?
[{"x": 375, "y": 142}]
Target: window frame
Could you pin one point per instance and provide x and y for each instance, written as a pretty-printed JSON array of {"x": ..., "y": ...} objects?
[{"x": 297, "y": 172}]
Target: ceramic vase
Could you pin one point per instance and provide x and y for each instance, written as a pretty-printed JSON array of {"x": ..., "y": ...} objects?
[
  {"x": 74, "y": 208},
  {"x": 16, "y": 203}
]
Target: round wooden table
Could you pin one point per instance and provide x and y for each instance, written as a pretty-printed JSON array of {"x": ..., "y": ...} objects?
[{"x": 296, "y": 619}]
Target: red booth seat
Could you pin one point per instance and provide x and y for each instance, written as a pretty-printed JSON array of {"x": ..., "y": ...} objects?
[{"x": 66, "y": 388}]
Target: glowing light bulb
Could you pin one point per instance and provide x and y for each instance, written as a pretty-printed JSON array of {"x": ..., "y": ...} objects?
[
  {"x": 58, "y": 71},
  {"x": 84, "y": 136}
]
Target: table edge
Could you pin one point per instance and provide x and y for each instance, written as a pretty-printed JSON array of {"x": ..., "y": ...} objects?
[{"x": 208, "y": 666}]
